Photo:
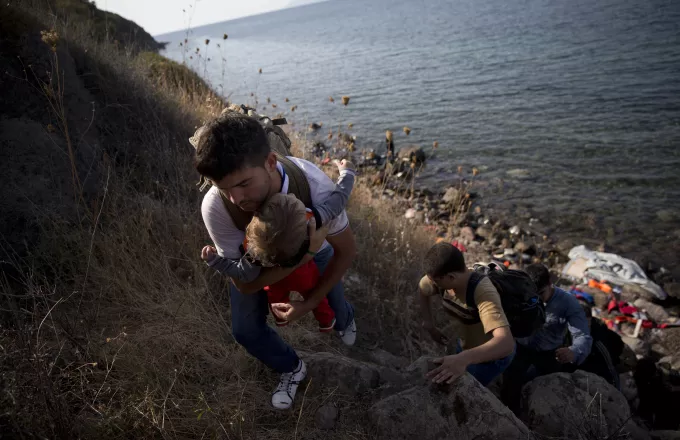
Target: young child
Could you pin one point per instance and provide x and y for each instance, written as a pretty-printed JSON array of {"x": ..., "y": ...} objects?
[{"x": 277, "y": 236}]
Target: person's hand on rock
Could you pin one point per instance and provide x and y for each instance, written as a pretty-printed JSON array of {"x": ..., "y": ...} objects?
[{"x": 451, "y": 368}]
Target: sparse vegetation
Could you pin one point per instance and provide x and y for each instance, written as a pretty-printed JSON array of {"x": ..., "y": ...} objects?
[
  {"x": 101, "y": 25},
  {"x": 178, "y": 78}
]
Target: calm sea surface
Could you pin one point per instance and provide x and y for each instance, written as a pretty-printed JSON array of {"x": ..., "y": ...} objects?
[{"x": 571, "y": 109}]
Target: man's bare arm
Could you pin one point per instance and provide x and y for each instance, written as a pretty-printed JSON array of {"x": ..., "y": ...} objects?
[
  {"x": 425, "y": 311},
  {"x": 499, "y": 346}
]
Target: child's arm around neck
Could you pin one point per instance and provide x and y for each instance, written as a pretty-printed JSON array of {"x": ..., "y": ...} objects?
[{"x": 337, "y": 200}]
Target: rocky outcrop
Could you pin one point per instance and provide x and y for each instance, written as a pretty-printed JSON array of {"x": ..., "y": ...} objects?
[
  {"x": 387, "y": 359},
  {"x": 670, "y": 362},
  {"x": 326, "y": 416},
  {"x": 629, "y": 389},
  {"x": 638, "y": 346},
  {"x": 463, "y": 410},
  {"x": 451, "y": 195},
  {"x": 104, "y": 25},
  {"x": 577, "y": 406},
  {"x": 628, "y": 359},
  {"x": 631, "y": 292},
  {"x": 656, "y": 312},
  {"x": 665, "y": 435},
  {"x": 348, "y": 375},
  {"x": 42, "y": 172},
  {"x": 672, "y": 289},
  {"x": 412, "y": 154}
]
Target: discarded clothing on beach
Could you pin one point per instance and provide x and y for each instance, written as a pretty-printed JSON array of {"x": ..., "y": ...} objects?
[
  {"x": 624, "y": 308},
  {"x": 580, "y": 294},
  {"x": 601, "y": 266}
]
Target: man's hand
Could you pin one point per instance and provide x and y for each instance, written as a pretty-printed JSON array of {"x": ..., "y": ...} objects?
[
  {"x": 436, "y": 335},
  {"x": 291, "y": 311},
  {"x": 451, "y": 368},
  {"x": 344, "y": 164},
  {"x": 208, "y": 253},
  {"x": 564, "y": 355}
]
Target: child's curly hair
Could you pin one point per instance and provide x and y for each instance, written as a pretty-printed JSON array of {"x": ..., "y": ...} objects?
[{"x": 278, "y": 230}]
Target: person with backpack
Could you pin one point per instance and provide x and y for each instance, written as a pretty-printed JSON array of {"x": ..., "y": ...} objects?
[
  {"x": 472, "y": 299},
  {"x": 543, "y": 352},
  {"x": 277, "y": 236},
  {"x": 234, "y": 152}
]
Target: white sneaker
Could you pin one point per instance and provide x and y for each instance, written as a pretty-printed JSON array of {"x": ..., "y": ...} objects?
[
  {"x": 285, "y": 393},
  {"x": 349, "y": 335}
]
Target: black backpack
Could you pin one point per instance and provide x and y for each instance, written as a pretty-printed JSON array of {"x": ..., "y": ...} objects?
[{"x": 519, "y": 296}]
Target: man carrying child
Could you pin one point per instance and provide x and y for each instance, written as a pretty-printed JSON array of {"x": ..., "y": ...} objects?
[{"x": 233, "y": 152}]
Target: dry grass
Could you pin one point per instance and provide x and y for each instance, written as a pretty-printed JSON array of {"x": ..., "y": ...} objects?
[{"x": 111, "y": 325}]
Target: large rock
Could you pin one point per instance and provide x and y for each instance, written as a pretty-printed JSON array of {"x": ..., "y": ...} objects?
[
  {"x": 484, "y": 232},
  {"x": 640, "y": 347},
  {"x": 419, "y": 368},
  {"x": 672, "y": 289},
  {"x": 463, "y": 410},
  {"x": 656, "y": 392},
  {"x": 521, "y": 246},
  {"x": 451, "y": 195},
  {"x": 672, "y": 362},
  {"x": 326, "y": 416},
  {"x": 658, "y": 348},
  {"x": 467, "y": 234},
  {"x": 670, "y": 339},
  {"x": 629, "y": 389},
  {"x": 35, "y": 180},
  {"x": 670, "y": 375},
  {"x": 387, "y": 359},
  {"x": 631, "y": 291},
  {"x": 576, "y": 406},
  {"x": 412, "y": 154},
  {"x": 518, "y": 173},
  {"x": 665, "y": 435},
  {"x": 348, "y": 375},
  {"x": 394, "y": 376},
  {"x": 628, "y": 360},
  {"x": 654, "y": 311}
]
